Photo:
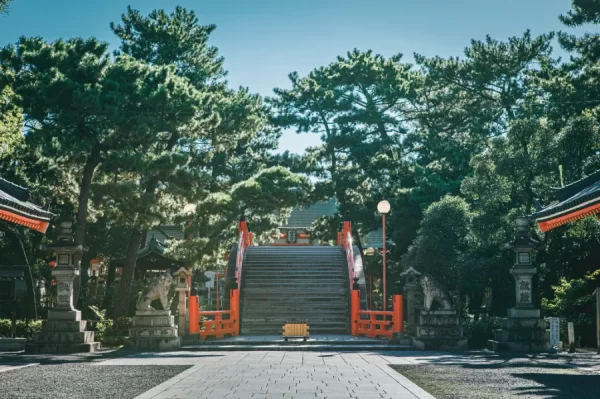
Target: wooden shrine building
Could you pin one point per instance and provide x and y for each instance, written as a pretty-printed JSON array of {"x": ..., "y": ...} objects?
[{"x": 15, "y": 279}]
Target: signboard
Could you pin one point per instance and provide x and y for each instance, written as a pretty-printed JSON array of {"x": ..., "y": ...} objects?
[
  {"x": 554, "y": 331},
  {"x": 7, "y": 290},
  {"x": 571, "y": 329},
  {"x": 211, "y": 282}
]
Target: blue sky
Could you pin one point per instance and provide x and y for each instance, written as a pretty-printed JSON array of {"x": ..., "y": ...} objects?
[{"x": 264, "y": 40}]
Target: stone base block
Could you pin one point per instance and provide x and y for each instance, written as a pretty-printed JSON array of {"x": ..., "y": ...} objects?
[
  {"x": 153, "y": 330},
  {"x": 12, "y": 344},
  {"x": 64, "y": 325},
  {"x": 153, "y": 313},
  {"x": 154, "y": 343},
  {"x": 521, "y": 335},
  {"x": 61, "y": 337},
  {"x": 58, "y": 314},
  {"x": 517, "y": 313},
  {"x": 61, "y": 347},
  {"x": 153, "y": 321}
]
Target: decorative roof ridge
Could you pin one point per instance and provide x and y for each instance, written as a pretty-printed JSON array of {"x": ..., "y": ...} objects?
[
  {"x": 566, "y": 192},
  {"x": 19, "y": 192}
]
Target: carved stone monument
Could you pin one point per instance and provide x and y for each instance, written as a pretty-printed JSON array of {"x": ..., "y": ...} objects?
[
  {"x": 64, "y": 331},
  {"x": 523, "y": 330},
  {"x": 438, "y": 327},
  {"x": 154, "y": 329}
]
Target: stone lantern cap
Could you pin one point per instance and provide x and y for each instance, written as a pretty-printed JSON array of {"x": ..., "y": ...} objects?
[
  {"x": 181, "y": 277},
  {"x": 523, "y": 238},
  {"x": 65, "y": 242}
]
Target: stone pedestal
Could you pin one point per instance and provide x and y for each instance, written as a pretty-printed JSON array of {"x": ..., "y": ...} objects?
[
  {"x": 12, "y": 344},
  {"x": 63, "y": 332},
  {"x": 154, "y": 330},
  {"x": 439, "y": 329},
  {"x": 521, "y": 335}
]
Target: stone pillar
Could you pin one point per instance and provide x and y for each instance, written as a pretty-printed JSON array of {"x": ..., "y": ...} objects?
[
  {"x": 64, "y": 331},
  {"x": 183, "y": 289},
  {"x": 524, "y": 330},
  {"x": 412, "y": 290}
]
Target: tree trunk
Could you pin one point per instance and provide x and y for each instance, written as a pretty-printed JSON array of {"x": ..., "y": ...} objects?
[
  {"x": 124, "y": 294},
  {"x": 108, "y": 292},
  {"x": 122, "y": 308},
  {"x": 85, "y": 189}
]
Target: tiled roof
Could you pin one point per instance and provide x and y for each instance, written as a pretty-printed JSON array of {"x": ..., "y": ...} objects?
[
  {"x": 373, "y": 239},
  {"x": 573, "y": 197},
  {"x": 172, "y": 231},
  {"x": 154, "y": 250},
  {"x": 15, "y": 199},
  {"x": 304, "y": 217}
]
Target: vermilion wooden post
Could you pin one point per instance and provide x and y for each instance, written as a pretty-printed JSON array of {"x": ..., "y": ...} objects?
[
  {"x": 354, "y": 309},
  {"x": 398, "y": 317},
  {"x": 194, "y": 309},
  {"x": 234, "y": 307}
]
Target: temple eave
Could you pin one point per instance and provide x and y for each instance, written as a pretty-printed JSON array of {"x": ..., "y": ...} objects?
[
  {"x": 568, "y": 216},
  {"x": 37, "y": 225}
]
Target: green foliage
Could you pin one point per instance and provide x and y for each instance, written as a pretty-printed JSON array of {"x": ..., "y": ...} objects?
[
  {"x": 480, "y": 331},
  {"x": 119, "y": 327},
  {"x": 575, "y": 301},
  {"x": 442, "y": 246},
  {"x": 4, "y": 6},
  {"x": 25, "y": 329}
]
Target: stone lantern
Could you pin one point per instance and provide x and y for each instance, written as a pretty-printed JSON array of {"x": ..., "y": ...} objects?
[
  {"x": 64, "y": 331},
  {"x": 523, "y": 271},
  {"x": 65, "y": 271},
  {"x": 181, "y": 280},
  {"x": 523, "y": 329}
]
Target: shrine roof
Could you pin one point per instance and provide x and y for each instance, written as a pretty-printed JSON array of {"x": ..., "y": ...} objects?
[
  {"x": 303, "y": 217},
  {"x": 15, "y": 207},
  {"x": 577, "y": 200},
  {"x": 153, "y": 255}
]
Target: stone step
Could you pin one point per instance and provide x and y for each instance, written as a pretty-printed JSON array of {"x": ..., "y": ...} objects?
[
  {"x": 62, "y": 347},
  {"x": 60, "y": 337},
  {"x": 285, "y": 283},
  {"x": 272, "y": 292},
  {"x": 296, "y": 345},
  {"x": 291, "y": 273},
  {"x": 297, "y": 285}
]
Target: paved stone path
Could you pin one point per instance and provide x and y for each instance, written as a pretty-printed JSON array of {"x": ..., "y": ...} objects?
[
  {"x": 6, "y": 367},
  {"x": 253, "y": 375}
]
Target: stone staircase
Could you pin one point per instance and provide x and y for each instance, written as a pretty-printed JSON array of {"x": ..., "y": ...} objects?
[{"x": 304, "y": 283}]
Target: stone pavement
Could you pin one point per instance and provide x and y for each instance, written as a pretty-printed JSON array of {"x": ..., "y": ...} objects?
[
  {"x": 7, "y": 367},
  {"x": 281, "y": 375}
]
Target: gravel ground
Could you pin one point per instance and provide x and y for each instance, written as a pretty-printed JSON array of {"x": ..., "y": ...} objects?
[
  {"x": 77, "y": 380},
  {"x": 502, "y": 380}
]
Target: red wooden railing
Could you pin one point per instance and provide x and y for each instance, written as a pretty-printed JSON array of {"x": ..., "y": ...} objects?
[
  {"x": 215, "y": 323},
  {"x": 345, "y": 239},
  {"x": 377, "y": 323},
  {"x": 244, "y": 240},
  {"x": 218, "y": 323}
]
